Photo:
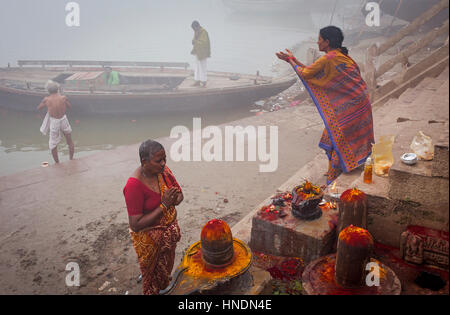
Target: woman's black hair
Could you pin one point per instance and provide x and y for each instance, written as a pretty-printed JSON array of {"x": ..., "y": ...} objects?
[
  {"x": 335, "y": 36},
  {"x": 148, "y": 148}
]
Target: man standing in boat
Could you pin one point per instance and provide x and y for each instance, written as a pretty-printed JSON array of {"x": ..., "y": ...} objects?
[
  {"x": 56, "y": 120},
  {"x": 112, "y": 77},
  {"x": 202, "y": 51}
]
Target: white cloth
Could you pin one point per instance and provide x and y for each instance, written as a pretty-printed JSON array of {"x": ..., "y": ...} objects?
[
  {"x": 45, "y": 124},
  {"x": 56, "y": 126},
  {"x": 200, "y": 70}
]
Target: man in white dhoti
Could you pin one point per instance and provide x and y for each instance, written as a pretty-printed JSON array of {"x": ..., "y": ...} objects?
[
  {"x": 56, "y": 120},
  {"x": 201, "y": 51}
]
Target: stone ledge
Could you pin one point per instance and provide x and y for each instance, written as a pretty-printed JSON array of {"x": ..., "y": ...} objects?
[
  {"x": 389, "y": 217},
  {"x": 291, "y": 237}
]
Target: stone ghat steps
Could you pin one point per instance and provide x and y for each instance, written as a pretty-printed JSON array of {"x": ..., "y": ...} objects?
[
  {"x": 385, "y": 118},
  {"x": 418, "y": 194},
  {"x": 388, "y": 217}
]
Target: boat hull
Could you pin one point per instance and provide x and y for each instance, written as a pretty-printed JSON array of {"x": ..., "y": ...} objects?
[{"x": 197, "y": 100}]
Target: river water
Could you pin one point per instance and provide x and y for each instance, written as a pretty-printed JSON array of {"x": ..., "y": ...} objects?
[{"x": 241, "y": 42}]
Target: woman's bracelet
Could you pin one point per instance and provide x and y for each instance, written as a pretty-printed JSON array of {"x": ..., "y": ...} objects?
[{"x": 164, "y": 207}]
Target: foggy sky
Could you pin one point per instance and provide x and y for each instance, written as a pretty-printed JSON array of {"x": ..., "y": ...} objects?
[
  {"x": 148, "y": 30},
  {"x": 109, "y": 28}
]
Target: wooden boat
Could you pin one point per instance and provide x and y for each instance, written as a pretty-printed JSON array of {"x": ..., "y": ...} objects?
[{"x": 144, "y": 87}]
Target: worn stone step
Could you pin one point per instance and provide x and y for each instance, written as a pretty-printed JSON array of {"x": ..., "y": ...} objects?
[
  {"x": 414, "y": 76},
  {"x": 425, "y": 107},
  {"x": 441, "y": 148},
  {"x": 409, "y": 105},
  {"x": 441, "y": 155},
  {"x": 429, "y": 104},
  {"x": 411, "y": 94},
  {"x": 383, "y": 117},
  {"x": 416, "y": 182},
  {"x": 443, "y": 75},
  {"x": 420, "y": 182},
  {"x": 426, "y": 83},
  {"x": 441, "y": 98}
]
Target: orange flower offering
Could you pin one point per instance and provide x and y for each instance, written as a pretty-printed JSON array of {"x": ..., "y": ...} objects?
[
  {"x": 308, "y": 191},
  {"x": 270, "y": 212},
  {"x": 351, "y": 195},
  {"x": 356, "y": 236},
  {"x": 271, "y": 208}
]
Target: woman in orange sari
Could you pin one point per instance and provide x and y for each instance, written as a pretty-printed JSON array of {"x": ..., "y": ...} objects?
[
  {"x": 340, "y": 94},
  {"x": 151, "y": 195}
]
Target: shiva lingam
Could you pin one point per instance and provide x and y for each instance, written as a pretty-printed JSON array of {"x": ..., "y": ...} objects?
[
  {"x": 347, "y": 271},
  {"x": 352, "y": 209},
  {"x": 214, "y": 261},
  {"x": 305, "y": 201}
]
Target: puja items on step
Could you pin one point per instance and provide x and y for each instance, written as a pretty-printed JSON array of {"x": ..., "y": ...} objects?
[
  {"x": 308, "y": 191},
  {"x": 333, "y": 191},
  {"x": 409, "y": 158},
  {"x": 281, "y": 199},
  {"x": 305, "y": 201},
  {"x": 276, "y": 209}
]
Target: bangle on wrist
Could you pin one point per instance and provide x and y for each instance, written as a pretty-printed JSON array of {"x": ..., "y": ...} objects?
[{"x": 164, "y": 207}]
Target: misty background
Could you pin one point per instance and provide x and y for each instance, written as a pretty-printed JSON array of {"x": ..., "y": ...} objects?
[{"x": 158, "y": 30}]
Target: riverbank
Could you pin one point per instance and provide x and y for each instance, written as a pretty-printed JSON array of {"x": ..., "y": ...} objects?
[{"x": 75, "y": 211}]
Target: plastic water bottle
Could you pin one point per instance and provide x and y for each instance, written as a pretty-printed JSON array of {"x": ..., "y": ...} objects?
[{"x": 368, "y": 167}]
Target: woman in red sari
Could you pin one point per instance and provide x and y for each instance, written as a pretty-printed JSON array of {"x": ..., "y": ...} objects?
[
  {"x": 340, "y": 94},
  {"x": 151, "y": 195}
]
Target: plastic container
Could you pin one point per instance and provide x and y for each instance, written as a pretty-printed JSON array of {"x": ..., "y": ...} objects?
[{"x": 382, "y": 155}]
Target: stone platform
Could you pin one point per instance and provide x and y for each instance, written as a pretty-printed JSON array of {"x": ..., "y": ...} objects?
[
  {"x": 291, "y": 237},
  {"x": 252, "y": 282}
]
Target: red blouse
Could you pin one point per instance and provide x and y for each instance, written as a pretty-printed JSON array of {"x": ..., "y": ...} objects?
[{"x": 139, "y": 198}]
